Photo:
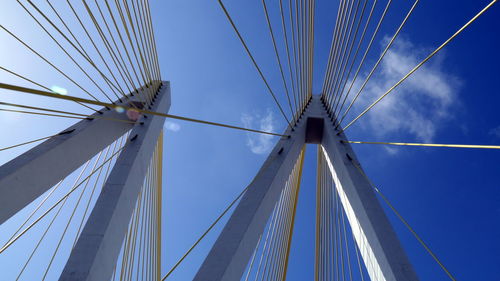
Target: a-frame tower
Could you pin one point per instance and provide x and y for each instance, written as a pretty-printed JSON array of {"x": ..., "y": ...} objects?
[{"x": 381, "y": 251}]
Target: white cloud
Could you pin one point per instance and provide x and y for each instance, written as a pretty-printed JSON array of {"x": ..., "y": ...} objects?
[
  {"x": 171, "y": 126},
  {"x": 418, "y": 106},
  {"x": 259, "y": 143}
]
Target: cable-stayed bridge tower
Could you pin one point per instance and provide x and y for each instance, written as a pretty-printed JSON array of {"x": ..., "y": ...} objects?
[
  {"x": 380, "y": 249},
  {"x": 88, "y": 198}
]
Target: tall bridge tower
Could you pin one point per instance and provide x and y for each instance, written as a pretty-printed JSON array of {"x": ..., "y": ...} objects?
[{"x": 341, "y": 179}]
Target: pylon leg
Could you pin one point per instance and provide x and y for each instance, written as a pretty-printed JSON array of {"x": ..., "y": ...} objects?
[{"x": 96, "y": 251}]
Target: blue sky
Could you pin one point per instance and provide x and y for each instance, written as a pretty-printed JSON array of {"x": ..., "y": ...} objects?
[{"x": 450, "y": 196}]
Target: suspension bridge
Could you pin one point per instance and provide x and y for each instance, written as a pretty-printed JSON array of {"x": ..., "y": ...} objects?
[{"x": 85, "y": 203}]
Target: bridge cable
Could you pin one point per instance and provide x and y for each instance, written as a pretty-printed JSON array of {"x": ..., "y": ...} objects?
[
  {"x": 329, "y": 66},
  {"x": 113, "y": 19},
  {"x": 318, "y": 217},
  {"x": 120, "y": 66},
  {"x": 108, "y": 82},
  {"x": 141, "y": 48},
  {"x": 335, "y": 49},
  {"x": 43, "y": 114},
  {"x": 94, "y": 188},
  {"x": 287, "y": 48},
  {"x": 50, "y": 223},
  {"x": 340, "y": 238},
  {"x": 420, "y": 64},
  {"x": 336, "y": 45},
  {"x": 351, "y": 39},
  {"x": 300, "y": 35},
  {"x": 111, "y": 52},
  {"x": 82, "y": 52},
  {"x": 47, "y": 61},
  {"x": 146, "y": 70},
  {"x": 52, "y": 190},
  {"x": 143, "y": 32},
  {"x": 253, "y": 60},
  {"x": 205, "y": 233},
  {"x": 126, "y": 256},
  {"x": 276, "y": 231},
  {"x": 83, "y": 116},
  {"x": 271, "y": 225},
  {"x": 152, "y": 34},
  {"x": 344, "y": 46},
  {"x": 253, "y": 258},
  {"x": 83, "y": 190},
  {"x": 147, "y": 35},
  {"x": 67, "y": 53},
  {"x": 338, "y": 86},
  {"x": 358, "y": 48},
  {"x": 127, "y": 32},
  {"x": 346, "y": 245},
  {"x": 118, "y": 60},
  {"x": 28, "y": 142},
  {"x": 429, "y": 144},
  {"x": 389, "y": 44},
  {"x": 357, "y": 256},
  {"x": 159, "y": 220},
  {"x": 72, "y": 98},
  {"x": 327, "y": 215},
  {"x": 278, "y": 59},
  {"x": 367, "y": 50},
  {"x": 294, "y": 50},
  {"x": 297, "y": 182},
  {"x": 405, "y": 222},
  {"x": 54, "y": 205},
  {"x": 130, "y": 34},
  {"x": 41, "y": 86}
]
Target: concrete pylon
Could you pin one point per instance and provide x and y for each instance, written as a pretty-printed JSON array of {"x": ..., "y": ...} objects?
[
  {"x": 380, "y": 248},
  {"x": 96, "y": 251},
  {"x": 29, "y": 175}
]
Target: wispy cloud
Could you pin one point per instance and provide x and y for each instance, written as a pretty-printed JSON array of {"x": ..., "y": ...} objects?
[
  {"x": 259, "y": 143},
  {"x": 171, "y": 126},
  {"x": 418, "y": 105}
]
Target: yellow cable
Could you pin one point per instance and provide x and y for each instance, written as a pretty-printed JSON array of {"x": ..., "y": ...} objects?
[
  {"x": 40, "y": 113},
  {"x": 346, "y": 42},
  {"x": 318, "y": 216},
  {"x": 28, "y": 142},
  {"x": 127, "y": 32},
  {"x": 64, "y": 50},
  {"x": 39, "y": 85},
  {"x": 358, "y": 48},
  {"x": 118, "y": 59},
  {"x": 253, "y": 60},
  {"x": 294, "y": 211},
  {"x": 112, "y": 16},
  {"x": 70, "y": 219},
  {"x": 53, "y": 206},
  {"x": 285, "y": 39},
  {"x": 430, "y": 144},
  {"x": 384, "y": 52},
  {"x": 278, "y": 58},
  {"x": 72, "y": 98},
  {"x": 82, "y": 116},
  {"x": 420, "y": 64},
  {"x": 405, "y": 223},
  {"x": 47, "y": 61},
  {"x": 205, "y": 233},
  {"x": 338, "y": 89}
]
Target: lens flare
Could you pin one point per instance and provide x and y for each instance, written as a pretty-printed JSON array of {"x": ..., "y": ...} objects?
[{"x": 59, "y": 90}]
